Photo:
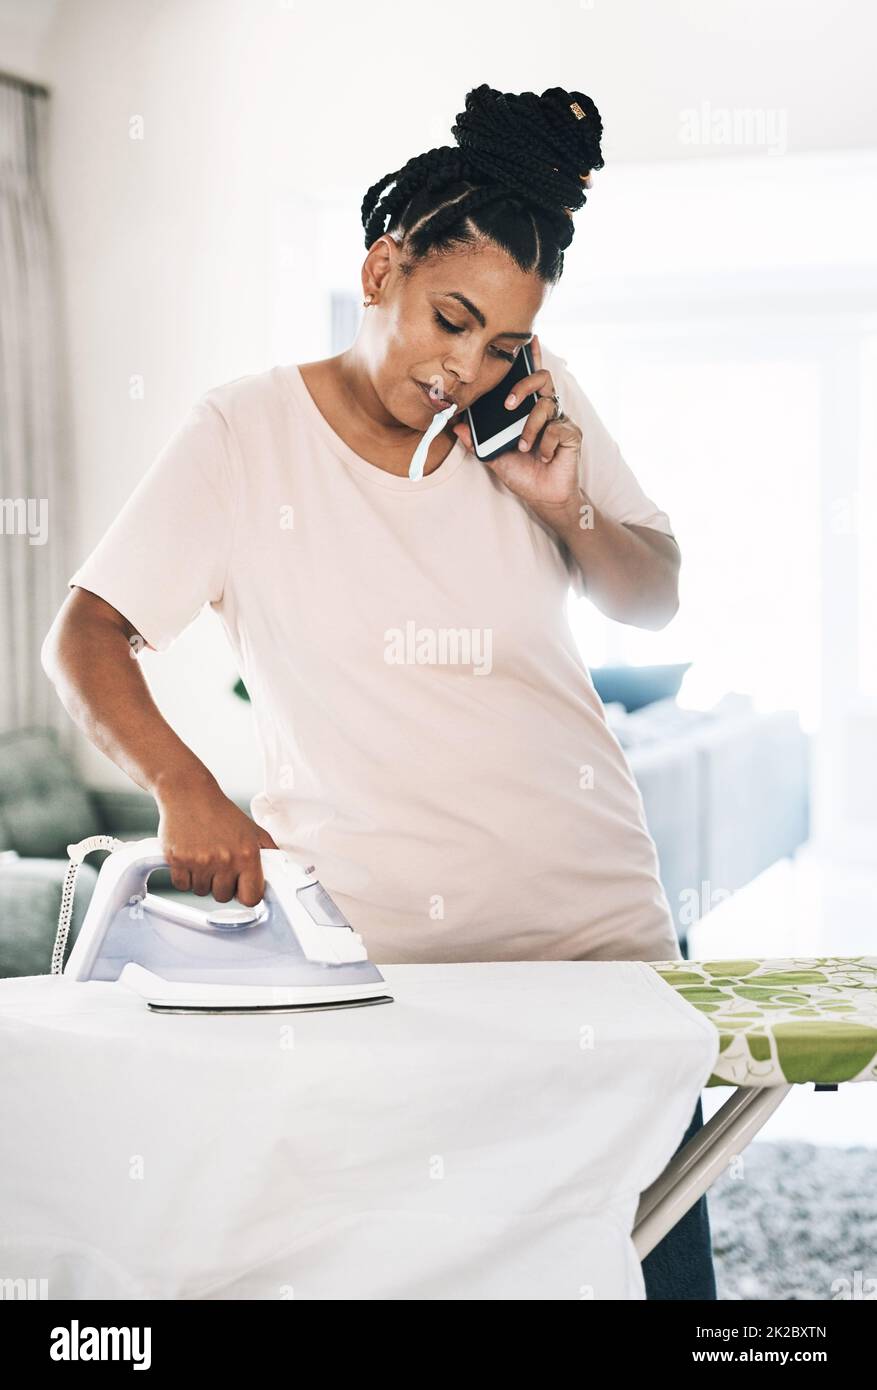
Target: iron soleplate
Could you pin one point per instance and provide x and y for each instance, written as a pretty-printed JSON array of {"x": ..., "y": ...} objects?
[{"x": 316, "y": 1007}]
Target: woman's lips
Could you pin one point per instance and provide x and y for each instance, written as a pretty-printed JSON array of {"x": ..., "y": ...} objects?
[{"x": 434, "y": 405}]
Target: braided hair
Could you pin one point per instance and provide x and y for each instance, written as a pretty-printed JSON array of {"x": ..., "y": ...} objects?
[{"x": 514, "y": 177}]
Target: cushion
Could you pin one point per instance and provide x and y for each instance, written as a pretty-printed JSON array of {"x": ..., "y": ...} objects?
[
  {"x": 43, "y": 805},
  {"x": 635, "y": 686},
  {"x": 30, "y": 900}
]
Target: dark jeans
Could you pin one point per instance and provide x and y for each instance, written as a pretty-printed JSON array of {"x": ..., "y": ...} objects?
[{"x": 681, "y": 1265}]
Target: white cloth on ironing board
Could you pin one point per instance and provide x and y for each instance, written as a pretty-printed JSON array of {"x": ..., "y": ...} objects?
[{"x": 485, "y": 1136}]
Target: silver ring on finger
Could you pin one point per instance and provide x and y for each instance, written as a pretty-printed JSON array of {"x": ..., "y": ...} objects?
[{"x": 558, "y": 410}]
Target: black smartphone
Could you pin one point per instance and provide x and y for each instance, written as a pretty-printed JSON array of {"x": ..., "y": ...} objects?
[{"x": 494, "y": 428}]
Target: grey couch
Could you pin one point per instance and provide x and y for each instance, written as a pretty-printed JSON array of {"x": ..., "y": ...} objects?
[
  {"x": 725, "y": 795},
  {"x": 44, "y": 806}
]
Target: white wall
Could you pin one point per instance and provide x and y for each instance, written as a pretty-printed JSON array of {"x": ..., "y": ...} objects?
[{"x": 24, "y": 27}]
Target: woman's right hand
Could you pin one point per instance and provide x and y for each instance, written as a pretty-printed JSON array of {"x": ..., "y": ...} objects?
[{"x": 210, "y": 845}]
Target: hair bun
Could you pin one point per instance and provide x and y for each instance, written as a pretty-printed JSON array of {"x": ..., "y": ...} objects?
[
  {"x": 515, "y": 177},
  {"x": 541, "y": 148}
]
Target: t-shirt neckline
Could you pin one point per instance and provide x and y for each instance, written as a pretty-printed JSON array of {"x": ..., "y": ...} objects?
[{"x": 297, "y": 386}]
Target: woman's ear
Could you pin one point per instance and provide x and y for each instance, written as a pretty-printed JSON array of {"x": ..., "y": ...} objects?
[{"x": 377, "y": 264}]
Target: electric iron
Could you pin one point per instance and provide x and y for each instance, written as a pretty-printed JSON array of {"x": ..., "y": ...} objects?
[{"x": 293, "y": 951}]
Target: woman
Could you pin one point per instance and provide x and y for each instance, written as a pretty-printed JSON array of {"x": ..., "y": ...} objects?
[{"x": 431, "y": 738}]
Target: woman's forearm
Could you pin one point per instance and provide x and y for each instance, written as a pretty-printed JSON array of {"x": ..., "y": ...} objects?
[
  {"x": 209, "y": 843},
  {"x": 90, "y": 660},
  {"x": 631, "y": 572}
]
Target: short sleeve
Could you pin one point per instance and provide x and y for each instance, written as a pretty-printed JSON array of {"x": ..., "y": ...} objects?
[
  {"x": 167, "y": 552},
  {"x": 604, "y": 476}
]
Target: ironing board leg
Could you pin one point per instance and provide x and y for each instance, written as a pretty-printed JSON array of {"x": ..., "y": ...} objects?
[{"x": 696, "y": 1167}]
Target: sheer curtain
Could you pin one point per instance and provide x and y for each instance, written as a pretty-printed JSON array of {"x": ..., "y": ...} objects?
[{"x": 34, "y": 486}]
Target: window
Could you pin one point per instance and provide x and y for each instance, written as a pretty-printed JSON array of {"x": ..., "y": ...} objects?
[{"x": 724, "y": 432}]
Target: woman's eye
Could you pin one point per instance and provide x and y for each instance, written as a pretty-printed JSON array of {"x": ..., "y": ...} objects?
[
  {"x": 443, "y": 323},
  {"x": 456, "y": 328}
]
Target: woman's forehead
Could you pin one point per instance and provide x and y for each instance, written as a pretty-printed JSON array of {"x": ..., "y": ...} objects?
[{"x": 489, "y": 280}]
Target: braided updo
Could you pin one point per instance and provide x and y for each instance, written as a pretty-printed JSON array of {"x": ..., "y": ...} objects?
[{"x": 514, "y": 177}]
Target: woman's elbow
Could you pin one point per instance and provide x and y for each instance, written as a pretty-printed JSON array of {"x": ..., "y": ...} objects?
[
  {"x": 50, "y": 646},
  {"x": 665, "y": 617}
]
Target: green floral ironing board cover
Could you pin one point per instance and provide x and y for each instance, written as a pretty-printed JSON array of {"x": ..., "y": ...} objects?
[{"x": 787, "y": 1020}]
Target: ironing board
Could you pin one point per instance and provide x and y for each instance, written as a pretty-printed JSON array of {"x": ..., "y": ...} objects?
[
  {"x": 781, "y": 1023},
  {"x": 551, "y": 1142},
  {"x": 488, "y": 1134}
]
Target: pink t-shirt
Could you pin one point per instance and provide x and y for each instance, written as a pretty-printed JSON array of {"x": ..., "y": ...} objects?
[{"x": 432, "y": 741}]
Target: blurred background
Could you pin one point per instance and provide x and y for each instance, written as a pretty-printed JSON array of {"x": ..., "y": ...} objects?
[{"x": 180, "y": 186}]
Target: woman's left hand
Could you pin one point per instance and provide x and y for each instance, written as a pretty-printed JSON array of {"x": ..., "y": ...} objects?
[{"x": 547, "y": 475}]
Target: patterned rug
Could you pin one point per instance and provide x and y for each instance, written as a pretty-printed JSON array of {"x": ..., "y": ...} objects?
[{"x": 799, "y": 1221}]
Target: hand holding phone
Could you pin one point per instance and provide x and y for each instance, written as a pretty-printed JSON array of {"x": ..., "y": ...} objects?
[{"x": 546, "y": 475}]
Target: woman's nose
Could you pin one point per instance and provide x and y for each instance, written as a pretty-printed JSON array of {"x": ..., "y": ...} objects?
[{"x": 463, "y": 370}]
